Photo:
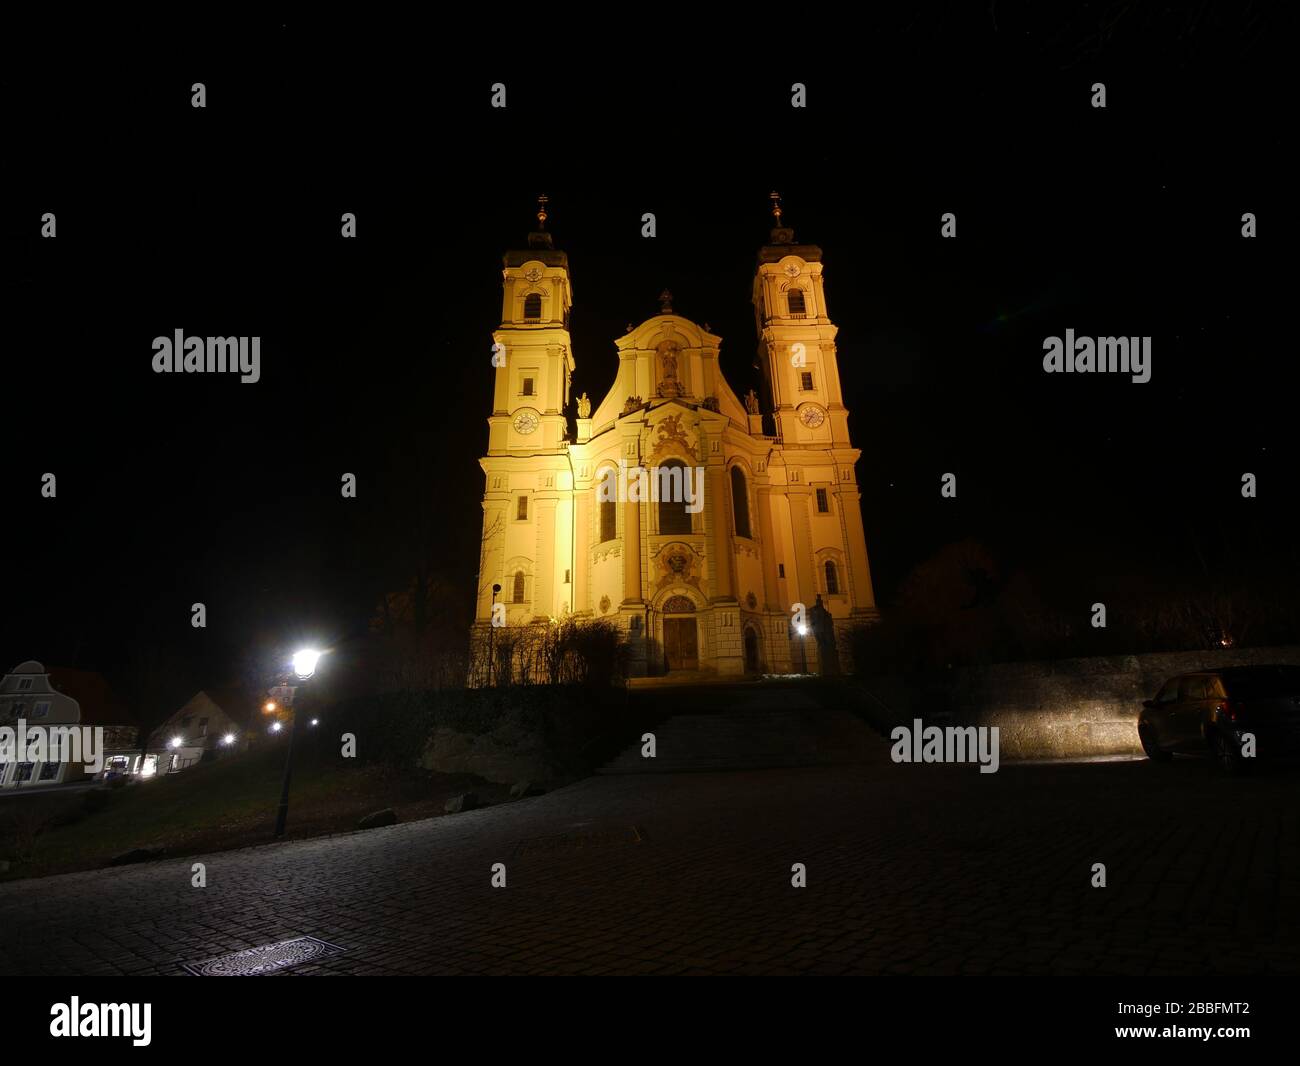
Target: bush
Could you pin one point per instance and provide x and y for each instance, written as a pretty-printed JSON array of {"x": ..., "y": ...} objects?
[{"x": 589, "y": 652}]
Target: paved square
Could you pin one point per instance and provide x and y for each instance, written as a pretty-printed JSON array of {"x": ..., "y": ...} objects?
[{"x": 910, "y": 869}]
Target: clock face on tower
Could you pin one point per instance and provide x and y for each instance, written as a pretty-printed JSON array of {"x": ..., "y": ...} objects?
[
  {"x": 525, "y": 422},
  {"x": 812, "y": 417}
]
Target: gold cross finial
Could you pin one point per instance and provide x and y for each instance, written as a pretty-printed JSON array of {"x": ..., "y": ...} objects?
[
  {"x": 776, "y": 207},
  {"x": 542, "y": 201},
  {"x": 666, "y": 302}
]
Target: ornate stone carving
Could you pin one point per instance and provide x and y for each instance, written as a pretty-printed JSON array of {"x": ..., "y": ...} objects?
[
  {"x": 677, "y": 564},
  {"x": 633, "y": 403},
  {"x": 679, "y": 605}
]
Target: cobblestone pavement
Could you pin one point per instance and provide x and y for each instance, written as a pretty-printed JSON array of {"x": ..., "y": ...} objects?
[{"x": 910, "y": 869}]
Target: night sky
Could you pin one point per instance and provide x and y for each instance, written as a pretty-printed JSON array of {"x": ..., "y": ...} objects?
[{"x": 375, "y": 352}]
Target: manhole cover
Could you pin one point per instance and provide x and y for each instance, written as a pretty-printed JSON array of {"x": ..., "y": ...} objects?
[
  {"x": 268, "y": 958},
  {"x": 580, "y": 838}
]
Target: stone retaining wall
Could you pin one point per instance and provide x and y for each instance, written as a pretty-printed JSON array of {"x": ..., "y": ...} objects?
[{"x": 1065, "y": 708}]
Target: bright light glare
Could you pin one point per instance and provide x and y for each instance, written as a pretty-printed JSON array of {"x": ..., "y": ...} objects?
[
  {"x": 270, "y": 706},
  {"x": 177, "y": 742},
  {"x": 275, "y": 727},
  {"x": 803, "y": 631},
  {"x": 229, "y": 738},
  {"x": 315, "y": 721},
  {"x": 304, "y": 662}
]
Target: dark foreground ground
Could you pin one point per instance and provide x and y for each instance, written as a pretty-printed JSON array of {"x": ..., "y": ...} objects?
[{"x": 910, "y": 870}]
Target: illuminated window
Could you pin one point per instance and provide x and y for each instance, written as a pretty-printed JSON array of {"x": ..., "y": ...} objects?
[
  {"x": 673, "y": 516},
  {"x": 832, "y": 578},
  {"x": 795, "y": 300},
  {"x": 533, "y": 307},
  {"x": 740, "y": 502},
  {"x": 608, "y": 521}
]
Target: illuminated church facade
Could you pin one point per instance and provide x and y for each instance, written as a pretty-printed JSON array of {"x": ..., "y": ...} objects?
[{"x": 739, "y": 518}]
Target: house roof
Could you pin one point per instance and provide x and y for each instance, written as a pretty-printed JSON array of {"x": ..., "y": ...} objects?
[{"x": 99, "y": 706}]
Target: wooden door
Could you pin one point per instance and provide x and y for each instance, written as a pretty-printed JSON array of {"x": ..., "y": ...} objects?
[{"x": 680, "y": 647}]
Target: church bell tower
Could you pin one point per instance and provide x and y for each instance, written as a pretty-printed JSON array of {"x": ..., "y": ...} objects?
[
  {"x": 532, "y": 351},
  {"x": 796, "y": 341}
]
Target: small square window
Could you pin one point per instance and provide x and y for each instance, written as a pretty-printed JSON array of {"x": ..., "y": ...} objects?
[
  {"x": 24, "y": 683},
  {"x": 49, "y": 771},
  {"x": 823, "y": 502},
  {"x": 41, "y": 709},
  {"x": 805, "y": 381},
  {"x": 528, "y": 387}
]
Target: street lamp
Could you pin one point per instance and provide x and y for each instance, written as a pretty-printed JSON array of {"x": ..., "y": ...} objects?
[{"x": 304, "y": 665}]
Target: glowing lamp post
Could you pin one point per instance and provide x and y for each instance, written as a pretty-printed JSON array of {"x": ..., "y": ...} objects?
[{"x": 304, "y": 665}]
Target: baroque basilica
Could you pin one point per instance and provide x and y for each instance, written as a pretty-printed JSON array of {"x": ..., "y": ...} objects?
[{"x": 711, "y": 579}]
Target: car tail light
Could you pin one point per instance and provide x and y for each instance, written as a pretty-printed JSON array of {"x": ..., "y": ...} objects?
[{"x": 1231, "y": 710}]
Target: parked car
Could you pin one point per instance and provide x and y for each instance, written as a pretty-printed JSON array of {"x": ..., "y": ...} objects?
[{"x": 1212, "y": 713}]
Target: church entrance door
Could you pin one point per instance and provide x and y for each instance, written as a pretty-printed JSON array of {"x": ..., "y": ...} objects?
[{"x": 680, "y": 647}]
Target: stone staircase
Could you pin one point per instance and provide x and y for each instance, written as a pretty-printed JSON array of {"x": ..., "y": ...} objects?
[{"x": 751, "y": 734}]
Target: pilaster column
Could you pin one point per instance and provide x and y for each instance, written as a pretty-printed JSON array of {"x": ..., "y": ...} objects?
[
  {"x": 862, "y": 596},
  {"x": 768, "y": 547},
  {"x": 805, "y": 583},
  {"x": 631, "y": 552},
  {"x": 581, "y": 549},
  {"x": 544, "y": 574}
]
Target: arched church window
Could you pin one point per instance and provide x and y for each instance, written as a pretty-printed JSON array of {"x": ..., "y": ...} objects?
[
  {"x": 795, "y": 300},
  {"x": 518, "y": 590},
  {"x": 533, "y": 307},
  {"x": 671, "y": 483},
  {"x": 608, "y": 521},
  {"x": 832, "y": 578},
  {"x": 740, "y": 502}
]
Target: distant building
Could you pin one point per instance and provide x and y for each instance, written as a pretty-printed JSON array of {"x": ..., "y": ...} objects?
[
  {"x": 61, "y": 696},
  {"x": 212, "y": 720}
]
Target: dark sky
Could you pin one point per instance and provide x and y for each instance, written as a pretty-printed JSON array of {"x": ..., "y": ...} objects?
[{"x": 375, "y": 352}]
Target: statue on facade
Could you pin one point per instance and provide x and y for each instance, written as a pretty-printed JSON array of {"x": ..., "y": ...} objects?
[
  {"x": 751, "y": 402},
  {"x": 584, "y": 406},
  {"x": 823, "y": 627},
  {"x": 668, "y": 383}
]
